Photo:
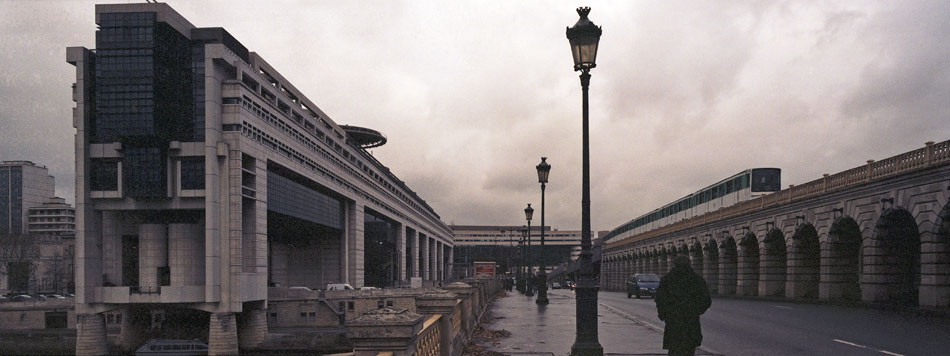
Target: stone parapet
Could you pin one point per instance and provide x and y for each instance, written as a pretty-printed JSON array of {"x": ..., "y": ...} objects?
[{"x": 385, "y": 330}]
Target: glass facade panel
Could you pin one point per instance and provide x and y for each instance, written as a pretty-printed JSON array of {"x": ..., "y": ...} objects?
[
  {"x": 288, "y": 197},
  {"x": 193, "y": 173},
  {"x": 144, "y": 172},
  {"x": 104, "y": 175}
]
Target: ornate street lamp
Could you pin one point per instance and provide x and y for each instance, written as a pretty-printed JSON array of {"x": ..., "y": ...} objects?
[
  {"x": 543, "y": 169},
  {"x": 528, "y": 213},
  {"x": 584, "y": 37}
]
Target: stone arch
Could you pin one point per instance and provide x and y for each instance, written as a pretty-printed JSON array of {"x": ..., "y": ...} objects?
[
  {"x": 748, "y": 266},
  {"x": 773, "y": 265},
  {"x": 728, "y": 266},
  {"x": 892, "y": 260},
  {"x": 696, "y": 257},
  {"x": 804, "y": 260},
  {"x": 841, "y": 261}
]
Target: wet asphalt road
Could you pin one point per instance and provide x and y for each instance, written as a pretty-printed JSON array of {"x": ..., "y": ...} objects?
[{"x": 745, "y": 327}]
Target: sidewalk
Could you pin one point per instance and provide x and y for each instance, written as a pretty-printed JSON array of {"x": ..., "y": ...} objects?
[{"x": 550, "y": 330}]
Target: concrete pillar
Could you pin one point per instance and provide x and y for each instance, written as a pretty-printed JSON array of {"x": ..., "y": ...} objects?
[
  {"x": 934, "y": 270},
  {"x": 711, "y": 271},
  {"x": 91, "y": 335},
  {"x": 354, "y": 241},
  {"x": 153, "y": 255},
  {"x": 413, "y": 238},
  {"x": 252, "y": 330},
  {"x": 186, "y": 257},
  {"x": 433, "y": 259},
  {"x": 132, "y": 331},
  {"x": 747, "y": 279},
  {"x": 401, "y": 252},
  {"x": 222, "y": 334}
]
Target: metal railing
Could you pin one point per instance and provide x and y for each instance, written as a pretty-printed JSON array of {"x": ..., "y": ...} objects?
[{"x": 932, "y": 154}]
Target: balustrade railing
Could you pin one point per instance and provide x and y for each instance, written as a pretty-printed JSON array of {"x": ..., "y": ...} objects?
[{"x": 931, "y": 155}]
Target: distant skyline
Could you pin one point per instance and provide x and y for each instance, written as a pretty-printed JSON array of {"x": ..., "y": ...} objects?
[{"x": 471, "y": 94}]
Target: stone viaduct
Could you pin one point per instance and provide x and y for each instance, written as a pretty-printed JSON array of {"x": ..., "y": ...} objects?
[{"x": 877, "y": 233}]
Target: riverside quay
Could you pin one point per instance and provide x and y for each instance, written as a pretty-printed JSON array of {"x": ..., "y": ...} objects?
[{"x": 205, "y": 182}]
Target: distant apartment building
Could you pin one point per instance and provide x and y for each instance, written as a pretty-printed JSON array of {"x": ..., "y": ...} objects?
[
  {"x": 37, "y": 236},
  {"x": 205, "y": 179},
  {"x": 23, "y": 185}
]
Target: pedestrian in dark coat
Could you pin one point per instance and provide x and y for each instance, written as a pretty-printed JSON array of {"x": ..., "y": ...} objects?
[{"x": 680, "y": 299}]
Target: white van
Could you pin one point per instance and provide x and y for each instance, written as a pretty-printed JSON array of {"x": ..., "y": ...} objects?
[{"x": 339, "y": 286}]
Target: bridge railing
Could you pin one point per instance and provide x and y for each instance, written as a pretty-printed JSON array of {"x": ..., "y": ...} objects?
[{"x": 931, "y": 154}]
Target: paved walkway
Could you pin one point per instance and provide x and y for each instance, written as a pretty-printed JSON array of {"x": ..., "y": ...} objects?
[{"x": 550, "y": 329}]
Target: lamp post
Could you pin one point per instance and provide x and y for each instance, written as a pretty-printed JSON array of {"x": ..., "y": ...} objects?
[
  {"x": 521, "y": 274},
  {"x": 584, "y": 37},
  {"x": 528, "y": 212},
  {"x": 543, "y": 169}
]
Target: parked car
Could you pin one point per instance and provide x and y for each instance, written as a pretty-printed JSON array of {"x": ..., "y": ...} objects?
[
  {"x": 555, "y": 286},
  {"x": 55, "y": 296},
  {"x": 642, "y": 284},
  {"x": 301, "y": 288},
  {"x": 21, "y": 298},
  {"x": 339, "y": 286}
]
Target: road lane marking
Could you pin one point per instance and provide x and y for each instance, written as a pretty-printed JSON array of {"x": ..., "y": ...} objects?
[
  {"x": 652, "y": 326},
  {"x": 782, "y": 306},
  {"x": 867, "y": 347},
  {"x": 849, "y": 343}
]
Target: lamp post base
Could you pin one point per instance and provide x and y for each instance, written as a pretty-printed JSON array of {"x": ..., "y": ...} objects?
[{"x": 542, "y": 289}]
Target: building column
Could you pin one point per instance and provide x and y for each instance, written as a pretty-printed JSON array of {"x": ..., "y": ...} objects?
[
  {"x": 401, "y": 253},
  {"x": 433, "y": 259},
  {"x": 441, "y": 261},
  {"x": 451, "y": 261},
  {"x": 354, "y": 244},
  {"x": 222, "y": 334},
  {"x": 424, "y": 256},
  {"x": 413, "y": 238},
  {"x": 186, "y": 254},
  {"x": 91, "y": 335}
]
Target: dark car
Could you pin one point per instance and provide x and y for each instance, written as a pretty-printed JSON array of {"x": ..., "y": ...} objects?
[{"x": 642, "y": 284}]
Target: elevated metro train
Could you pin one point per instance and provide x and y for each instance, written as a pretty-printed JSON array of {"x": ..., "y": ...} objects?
[{"x": 742, "y": 186}]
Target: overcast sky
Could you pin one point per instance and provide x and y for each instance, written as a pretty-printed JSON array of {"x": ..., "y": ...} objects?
[{"x": 472, "y": 93}]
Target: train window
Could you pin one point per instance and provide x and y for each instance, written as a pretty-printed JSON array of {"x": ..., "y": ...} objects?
[
  {"x": 745, "y": 181},
  {"x": 729, "y": 187},
  {"x": 766, "y": 180}
]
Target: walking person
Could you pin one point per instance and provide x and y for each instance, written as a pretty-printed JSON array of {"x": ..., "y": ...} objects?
[{"x": 680, "y": 299}]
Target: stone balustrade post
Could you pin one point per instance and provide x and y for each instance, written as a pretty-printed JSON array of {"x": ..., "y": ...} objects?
[
  {"x": 440, "y": 302},
  {"x": 466, "y": 293},
  {"x": 867, "y": 178},
  {"x": 930, "y": 152},
  {"x": 385, "y": 330}
]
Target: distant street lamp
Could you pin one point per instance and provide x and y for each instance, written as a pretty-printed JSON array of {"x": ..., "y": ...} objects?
[
  {"x": 584, "y": 37},
  {"x": 528, "y": 213},
  {"x": 543, "y": 169},
  {"x": 521, "y": 273}
]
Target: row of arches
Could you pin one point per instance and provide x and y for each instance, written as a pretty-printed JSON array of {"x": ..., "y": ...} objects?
[{"x": 884, "y": 266}]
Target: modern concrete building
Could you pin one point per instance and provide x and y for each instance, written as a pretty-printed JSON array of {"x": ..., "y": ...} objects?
[
  {"x": 204, "y": 177},
  {"x": 497, "y": 242},
  {"x": 23, "y": 185},
  {"x": 54, "y": 217}
]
